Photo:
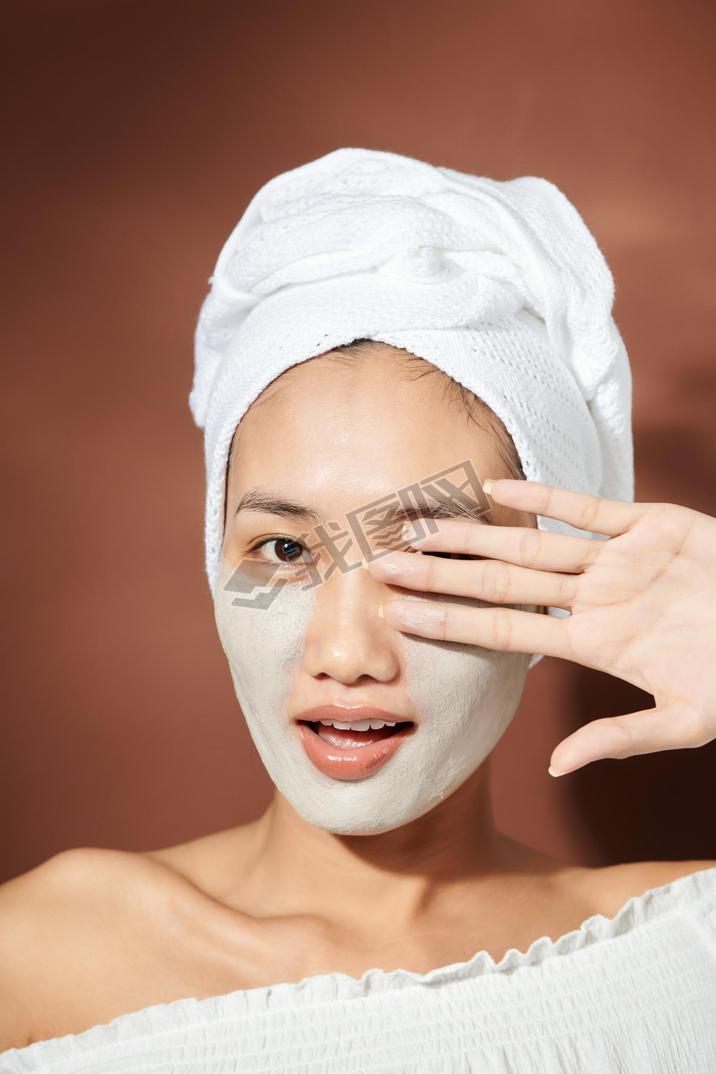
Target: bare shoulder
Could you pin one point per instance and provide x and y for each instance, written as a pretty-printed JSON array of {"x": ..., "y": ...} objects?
[
  {"x": 67, "y": 882},
  {"x": 644, "y": 875},
  {"x": 49, "y": 913},
  {"x": 212, "y": 863},
  {"x": 613, "y": 885}
]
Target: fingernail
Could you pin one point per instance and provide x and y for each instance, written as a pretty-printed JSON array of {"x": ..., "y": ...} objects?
[
  {"x": 554, "y": 772},
  {"x": 487, "y": 484},
  {"x": 406, "y": 531}
]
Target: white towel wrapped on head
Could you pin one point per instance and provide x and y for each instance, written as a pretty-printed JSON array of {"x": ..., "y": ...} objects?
[{"x": 500, "y": 284}]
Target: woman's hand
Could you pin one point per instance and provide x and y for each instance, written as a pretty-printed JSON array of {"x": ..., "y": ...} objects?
[{"x": 642, "y": 604}]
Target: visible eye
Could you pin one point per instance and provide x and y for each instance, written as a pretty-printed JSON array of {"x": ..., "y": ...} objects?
[
  {"x": 288, "y": 556},
  {"x": 291, "y": 551}
]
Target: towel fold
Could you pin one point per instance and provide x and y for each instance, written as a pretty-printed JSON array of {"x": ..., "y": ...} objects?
[{"x": 498, "y": 283}]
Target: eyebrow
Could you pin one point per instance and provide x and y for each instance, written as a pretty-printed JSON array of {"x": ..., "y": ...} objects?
[{"x": 258, "y": 500}]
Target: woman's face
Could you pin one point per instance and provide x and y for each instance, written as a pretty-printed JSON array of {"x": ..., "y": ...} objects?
[{"x": 353, "y": 445}]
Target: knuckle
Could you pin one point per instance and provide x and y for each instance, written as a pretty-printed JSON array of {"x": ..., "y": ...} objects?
[
  {"x": 625, "y": 739},
  {"x": 499, "y": 583},
  {"x": 429, "y": 568},
  {"x": 694, "y": 729},
  {"x": 528, "y": 547},
  {"x": 502, "y": 629},
  {"x": 589, "y": 512},
  {"x": 593, "y": 551},
  {"x": 442, "y": 623},
  {"x": 566, "y": 591}
]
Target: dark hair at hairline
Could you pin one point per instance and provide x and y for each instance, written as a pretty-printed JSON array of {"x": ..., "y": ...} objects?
[{"x": 473, "y": 405}]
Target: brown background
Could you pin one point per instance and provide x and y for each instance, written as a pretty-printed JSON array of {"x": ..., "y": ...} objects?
[{"x": 137, "y": 134}]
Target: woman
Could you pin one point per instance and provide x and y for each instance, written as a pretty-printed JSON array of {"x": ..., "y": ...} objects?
[{"x": 373, "y": 918}]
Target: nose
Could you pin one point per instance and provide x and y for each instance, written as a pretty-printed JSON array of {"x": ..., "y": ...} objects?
[{"x": 347, "y": 640}]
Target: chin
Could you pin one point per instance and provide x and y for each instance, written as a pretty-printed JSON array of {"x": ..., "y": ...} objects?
[{"x": 369, "y": 825}]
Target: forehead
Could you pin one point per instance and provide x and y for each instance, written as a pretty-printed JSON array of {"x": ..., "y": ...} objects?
[
  {"x": 349, "y": 434},
  {"x": 369, "y": 418}
]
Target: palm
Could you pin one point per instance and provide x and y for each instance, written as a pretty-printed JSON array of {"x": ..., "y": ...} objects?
[
  {"x": 642, "y": 606},
  {"x": 635, "y": 602}
]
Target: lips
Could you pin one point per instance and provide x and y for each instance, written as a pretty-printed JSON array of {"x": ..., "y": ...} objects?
[
  {"x": 351, "y": 762},
  {"x": 347, "y": 754},
  {"x": 348, "y": 714}
]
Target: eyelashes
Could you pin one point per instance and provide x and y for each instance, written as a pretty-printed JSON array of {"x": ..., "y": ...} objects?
[
  {"x": 279, "y": 540},
  {"x": 302, "y": 563}
]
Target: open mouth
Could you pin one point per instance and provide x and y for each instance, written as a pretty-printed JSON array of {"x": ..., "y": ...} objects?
[
  {"x": 348, "y": 738},
  {"x": 352, "y": 753}
]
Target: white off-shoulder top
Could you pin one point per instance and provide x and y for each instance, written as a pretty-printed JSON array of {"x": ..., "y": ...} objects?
[{"x": 630, "y": 994}]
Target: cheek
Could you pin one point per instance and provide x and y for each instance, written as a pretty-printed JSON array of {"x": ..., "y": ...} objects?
[
  {"x": 465, "y": 696},
  {"x": 450, "y": 680},
  {"x": 465, "y": 687},
  {"x": 263, "y": 638}
]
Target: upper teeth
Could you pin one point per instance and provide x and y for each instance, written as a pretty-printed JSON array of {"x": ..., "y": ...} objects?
[{"x": 360, "y": 725}]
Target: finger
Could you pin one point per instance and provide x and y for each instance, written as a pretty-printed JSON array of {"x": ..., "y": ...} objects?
[
  {"x": 578, "y": 509},
  {"x": 537, "y": 549},
  {"x": 666, "y": 727},
  {"x": 504, "y": 629},
  {"x": 489, "y": 580}
]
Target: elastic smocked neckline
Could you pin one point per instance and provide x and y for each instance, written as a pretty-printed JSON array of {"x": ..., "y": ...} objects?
[{"x": 338, "y": 986}]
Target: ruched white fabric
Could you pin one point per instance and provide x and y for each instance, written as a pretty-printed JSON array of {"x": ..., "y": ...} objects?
[{"x": 630, "y": 994}]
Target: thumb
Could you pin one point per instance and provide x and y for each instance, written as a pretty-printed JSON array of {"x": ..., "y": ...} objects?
[{"x": 665, "y": 727}]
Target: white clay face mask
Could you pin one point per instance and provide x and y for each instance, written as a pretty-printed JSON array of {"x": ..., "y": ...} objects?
[{"x": 463, "y": 697}]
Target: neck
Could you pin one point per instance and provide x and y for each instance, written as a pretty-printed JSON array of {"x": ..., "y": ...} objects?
[{"x": 405, "y": 876}]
